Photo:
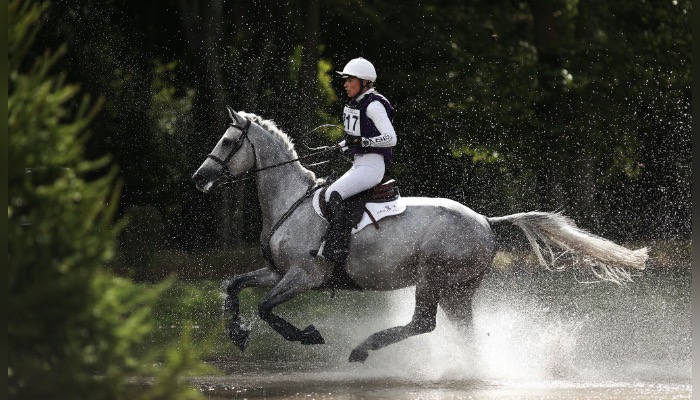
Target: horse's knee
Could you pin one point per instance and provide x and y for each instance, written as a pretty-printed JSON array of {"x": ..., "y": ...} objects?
[
  {"x": 233, "y": 286},
  {"x": 264, "y": 310}
]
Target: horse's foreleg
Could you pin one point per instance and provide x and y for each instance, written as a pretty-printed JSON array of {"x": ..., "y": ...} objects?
[
  {"x": 423, "y": 321},
  {"x": 263, "y": 277},
  {"x": 294, "y": 282}
]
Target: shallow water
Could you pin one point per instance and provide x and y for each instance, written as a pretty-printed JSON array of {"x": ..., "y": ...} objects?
[
  {"x": 299, "y": 380},
  {"x": 537, "y": 335}
]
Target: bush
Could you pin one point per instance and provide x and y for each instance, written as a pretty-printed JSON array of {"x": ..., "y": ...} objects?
[{"x": 73, "y": 329}]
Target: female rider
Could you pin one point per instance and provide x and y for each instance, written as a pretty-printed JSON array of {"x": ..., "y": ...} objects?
[{"x": 369, "y": 138}]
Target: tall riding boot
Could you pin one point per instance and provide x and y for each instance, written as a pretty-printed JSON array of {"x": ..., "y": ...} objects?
[{"x": 337, "y": 238}]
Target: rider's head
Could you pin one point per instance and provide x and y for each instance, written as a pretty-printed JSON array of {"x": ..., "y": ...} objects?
[{"x": 359, "y": 75}]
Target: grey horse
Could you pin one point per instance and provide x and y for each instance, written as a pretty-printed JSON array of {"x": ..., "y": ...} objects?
[{"x": 440, "y": 246}]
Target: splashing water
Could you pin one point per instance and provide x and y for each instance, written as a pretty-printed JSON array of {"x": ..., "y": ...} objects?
[
  {"x": 534, "y": 334},
  {"x": 534, "y": 328}
]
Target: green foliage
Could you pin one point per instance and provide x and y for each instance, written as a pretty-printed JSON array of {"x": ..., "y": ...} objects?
[
  {"x": 594, "y": 115},
  {"x": 73, "y": 329},
  {"x": 168, "y": 115},
  {"x": 478, "y": 154},
  {"x": 595, "y": 120},
  {"x": 194, "y": 306},
  {"x": 325, "y": 92}
]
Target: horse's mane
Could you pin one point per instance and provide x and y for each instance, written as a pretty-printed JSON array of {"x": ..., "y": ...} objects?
[{"x": 270, "y": 126}]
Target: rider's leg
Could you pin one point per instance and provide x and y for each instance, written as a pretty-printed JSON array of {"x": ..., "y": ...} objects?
[
  {"x": 335, "y": 242},
  {"x": 366, "y": 172}
]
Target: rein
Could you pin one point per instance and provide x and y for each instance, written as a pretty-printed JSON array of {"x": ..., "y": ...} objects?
[
  {"x": 228, "y": 178},
  {"x": 265, "y": 247}
]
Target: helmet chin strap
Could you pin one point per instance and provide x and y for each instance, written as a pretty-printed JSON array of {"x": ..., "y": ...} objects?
[{"x": 364, "y": 84}]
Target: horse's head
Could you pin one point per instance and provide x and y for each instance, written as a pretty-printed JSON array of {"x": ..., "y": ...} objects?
[{"x": 232, "y": 156}]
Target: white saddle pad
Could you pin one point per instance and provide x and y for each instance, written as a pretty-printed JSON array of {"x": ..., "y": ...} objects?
[{"x": 378, "y": 210}]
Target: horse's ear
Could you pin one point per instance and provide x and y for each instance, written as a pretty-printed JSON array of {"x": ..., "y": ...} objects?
[{"x": 234, "y": 116}]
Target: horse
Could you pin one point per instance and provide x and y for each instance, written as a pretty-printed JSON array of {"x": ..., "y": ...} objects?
[{"x": 438, "y": 245}]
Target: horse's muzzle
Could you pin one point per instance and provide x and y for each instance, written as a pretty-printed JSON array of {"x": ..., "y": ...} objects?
[{"x": 203, "y": 184}]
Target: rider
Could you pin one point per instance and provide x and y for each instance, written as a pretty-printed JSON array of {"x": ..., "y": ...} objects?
[{"x": 369, "y": 138}]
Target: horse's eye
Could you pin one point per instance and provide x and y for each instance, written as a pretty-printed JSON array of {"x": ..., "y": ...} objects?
[{"x": 226, "y": 142}]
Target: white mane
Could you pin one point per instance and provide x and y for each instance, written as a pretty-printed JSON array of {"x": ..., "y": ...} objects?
[{"x": 270, "y": 126}]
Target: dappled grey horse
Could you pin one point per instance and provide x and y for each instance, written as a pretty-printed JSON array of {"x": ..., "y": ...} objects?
[{"x": 440, "y": 246}]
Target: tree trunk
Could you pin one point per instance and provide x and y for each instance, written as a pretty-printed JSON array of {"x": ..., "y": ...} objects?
[
  {"x": 309, "y": 61},
  {"x": 202, "y": 22},
  {"x": 549, "y": 64}
]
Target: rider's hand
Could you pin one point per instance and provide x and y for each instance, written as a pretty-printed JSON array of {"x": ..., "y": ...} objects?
[
  {"x": 358, "y": 141},
  {"x": 343, "y": 148}
]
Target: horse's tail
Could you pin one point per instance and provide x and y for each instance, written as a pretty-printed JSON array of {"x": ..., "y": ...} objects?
[{"x": 608, "y": 261}]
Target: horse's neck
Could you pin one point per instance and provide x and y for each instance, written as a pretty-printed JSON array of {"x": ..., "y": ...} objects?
[{"x": 278, "y": 187}]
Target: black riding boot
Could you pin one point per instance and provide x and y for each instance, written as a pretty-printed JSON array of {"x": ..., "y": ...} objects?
[{"x": 334, "y": 246}]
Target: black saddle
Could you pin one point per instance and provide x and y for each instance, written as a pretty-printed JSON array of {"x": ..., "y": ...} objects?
[{"x": 384, "y": 192}]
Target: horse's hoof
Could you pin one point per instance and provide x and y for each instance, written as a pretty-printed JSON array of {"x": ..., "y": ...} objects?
[
  {"x": 311, "y": 335},
  {"x": 358, "y": 355},
  {"x": 240, "y": 337}
]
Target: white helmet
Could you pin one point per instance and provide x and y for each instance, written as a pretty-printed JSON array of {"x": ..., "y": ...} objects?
[{"x": 359, "y": 68}]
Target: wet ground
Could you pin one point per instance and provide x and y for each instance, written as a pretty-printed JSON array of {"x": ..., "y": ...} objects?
[
  {"x": 345, "y": 383},
  {"x": 537, "y": 335}
]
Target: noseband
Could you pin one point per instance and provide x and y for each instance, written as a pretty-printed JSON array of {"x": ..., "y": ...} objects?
[{"x": 239, "y": 143}]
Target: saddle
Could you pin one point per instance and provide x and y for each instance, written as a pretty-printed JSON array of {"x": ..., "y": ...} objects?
[
  {"x": 384, "y": 192},
  {"x": 355, "y": 209}
]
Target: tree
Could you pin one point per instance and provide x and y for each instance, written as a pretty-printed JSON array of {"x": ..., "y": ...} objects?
[
  {"x": 503, "y": 105},
  {"x": 73, "y": 329}
]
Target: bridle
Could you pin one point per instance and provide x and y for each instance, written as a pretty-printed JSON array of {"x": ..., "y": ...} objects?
[
  {"x": 229, "y": 178},
  {"x": 238, "y": 145}
]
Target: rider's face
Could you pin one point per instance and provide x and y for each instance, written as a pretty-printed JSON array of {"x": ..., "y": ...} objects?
[{"x": 352, "y": 86}]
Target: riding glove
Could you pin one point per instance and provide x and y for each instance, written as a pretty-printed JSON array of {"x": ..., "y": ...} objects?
[{"x": 358, "y": 141}]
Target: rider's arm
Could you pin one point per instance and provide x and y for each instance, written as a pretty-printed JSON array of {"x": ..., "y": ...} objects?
[{"x": 387, "y": 136}]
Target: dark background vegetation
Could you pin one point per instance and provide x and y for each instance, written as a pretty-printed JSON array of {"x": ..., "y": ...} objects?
[{"x": 505, "y": 106}]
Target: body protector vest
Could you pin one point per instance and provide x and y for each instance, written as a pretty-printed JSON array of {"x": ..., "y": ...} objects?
[{"x": 357, "y": 123}]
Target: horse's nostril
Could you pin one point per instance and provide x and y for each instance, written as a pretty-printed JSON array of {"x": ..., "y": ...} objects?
[{"x": 198, "y": 179}]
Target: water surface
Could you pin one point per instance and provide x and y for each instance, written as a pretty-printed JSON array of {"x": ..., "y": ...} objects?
[{"x": 537, "y": 335}]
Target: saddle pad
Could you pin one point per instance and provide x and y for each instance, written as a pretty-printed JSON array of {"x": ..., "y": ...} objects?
[{"x": 379, "y": 210}]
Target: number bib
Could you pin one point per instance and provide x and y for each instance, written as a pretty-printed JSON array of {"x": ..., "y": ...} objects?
[{"x": 351, "y": 120}]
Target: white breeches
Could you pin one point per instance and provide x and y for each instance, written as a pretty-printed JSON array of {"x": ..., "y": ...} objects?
[{"x": 367, "y": 171}]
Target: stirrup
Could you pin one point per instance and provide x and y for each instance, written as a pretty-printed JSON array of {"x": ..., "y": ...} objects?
[
  {"x": 338, "y": 257},
  {"x": 319, "y": 252}
]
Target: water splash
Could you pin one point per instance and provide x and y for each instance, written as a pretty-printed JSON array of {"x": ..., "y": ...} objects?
[{"x": 533, "y": 328}]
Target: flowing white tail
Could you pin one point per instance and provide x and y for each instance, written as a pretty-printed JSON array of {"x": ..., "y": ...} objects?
[{"x": 606, "y": 260}]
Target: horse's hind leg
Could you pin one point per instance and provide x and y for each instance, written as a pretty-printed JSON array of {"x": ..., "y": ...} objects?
[
  {"x": 423, "y": 321},
  {"x": 456, "y": 300},
  {"x": 264, "y": 277}
]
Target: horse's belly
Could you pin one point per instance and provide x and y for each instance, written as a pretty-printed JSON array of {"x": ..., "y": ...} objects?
[
  {"x": 381, "y": 276},
  {"x": 431, "y": 236}
]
